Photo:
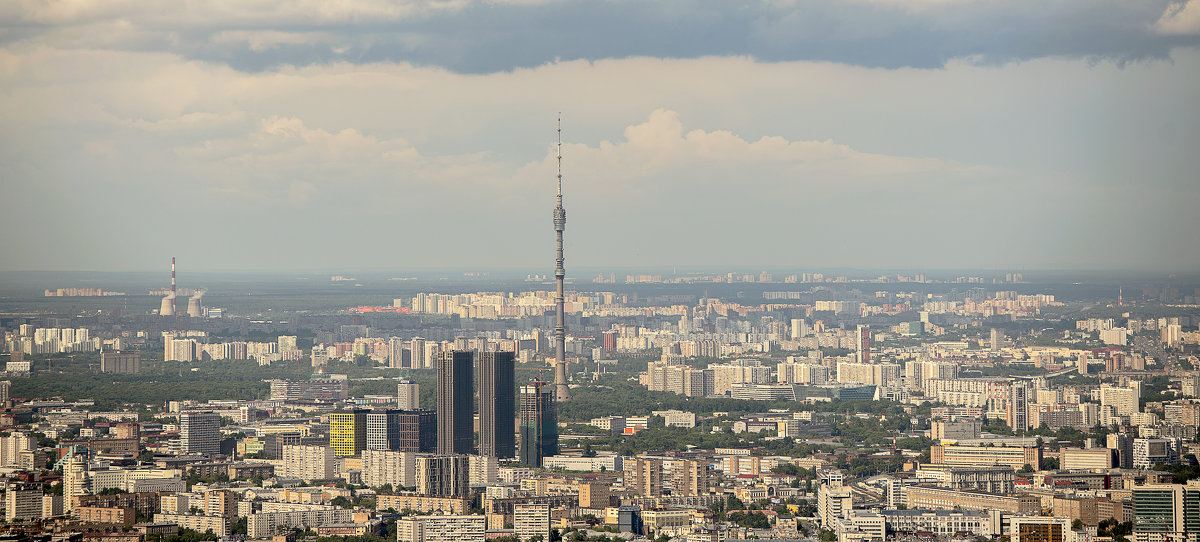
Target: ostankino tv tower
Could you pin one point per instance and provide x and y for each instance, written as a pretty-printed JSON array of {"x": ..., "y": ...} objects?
[{"x": 561, "y": 391}]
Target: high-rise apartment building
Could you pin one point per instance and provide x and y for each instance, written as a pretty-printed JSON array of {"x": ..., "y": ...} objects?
[
  {"x": 532, "y": 521},
  {"x": 443, "y": 475},
  {"x": 408, "y": 395},
  {"x": 497, "y": 405},
  {"x": 308, "y": 462},
  {"x": 863, "y": 344},
  {"x": 455, "y": 412},
  {"x": 539, "y": 424},
  {"x": 380, "y": 467},
  {"x": 402, "y": 430},
  {"x": 1018, "y": 407},
  {"x": 75, "y": 480},
  {"x": 200, "y": 433},
  {"x": 348, "y": 432},
  {"x": 645, "y": 476}
]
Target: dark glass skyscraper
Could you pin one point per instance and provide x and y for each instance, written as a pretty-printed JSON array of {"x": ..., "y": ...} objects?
[
  {"x": 539, "y": 424},
  {"x": 497, "y": 405},
  {"x": 455, "y": 403}
]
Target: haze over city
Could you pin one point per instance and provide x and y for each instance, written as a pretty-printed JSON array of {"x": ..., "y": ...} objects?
[{"x": 278, "y": 136}]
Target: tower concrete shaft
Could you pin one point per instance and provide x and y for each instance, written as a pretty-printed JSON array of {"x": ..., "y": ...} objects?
[{"x": 561, "y": 391}]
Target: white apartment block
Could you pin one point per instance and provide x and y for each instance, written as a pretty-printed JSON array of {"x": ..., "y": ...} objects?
[
  {"x": 441, "y": 529},
  {"x": 308, "y": 462}
]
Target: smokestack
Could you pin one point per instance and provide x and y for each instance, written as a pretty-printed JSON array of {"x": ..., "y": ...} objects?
[{"x": 172, "y": 285}]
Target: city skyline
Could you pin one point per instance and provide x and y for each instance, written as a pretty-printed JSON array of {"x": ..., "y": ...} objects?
[{"x": 858, "y": 134}]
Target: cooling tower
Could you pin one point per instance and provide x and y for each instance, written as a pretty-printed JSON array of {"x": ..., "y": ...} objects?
[
  {"x": 194, "y": 308},
  {"x": 168, "y": 306}
]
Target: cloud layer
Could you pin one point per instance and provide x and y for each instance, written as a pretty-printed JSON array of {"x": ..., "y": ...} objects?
[
  {"x": 317, "y": 135},
  {"x": 482, "y": 37}
]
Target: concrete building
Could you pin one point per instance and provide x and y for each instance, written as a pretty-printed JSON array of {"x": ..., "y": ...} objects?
[
  {"x": 962, "y": 429},
  {"x": 530, "y": 520},
  {"x": 441, "y": 529},
  {"x": 982, "y": 456},
  {"x": 443, "y": 475},
  {"x": 1148, "y": 452},
  {"x": 200, "y": 433},
  {"x": 408, "y": 395},
  {"x": 308, "y": 462},
  {"x": 381, "y": 467},
  {"x": 120, "y": 362},
  {"x": 940, "y": 498},
  {"x": 833, "y": 501},
  {"x": 1086, "y": 458},
  {"x": 644, "y": 476},
  {"x": 22, "y": 502}
]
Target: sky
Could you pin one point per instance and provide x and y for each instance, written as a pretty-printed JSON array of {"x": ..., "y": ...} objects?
[{"x": 284, "y": 135}]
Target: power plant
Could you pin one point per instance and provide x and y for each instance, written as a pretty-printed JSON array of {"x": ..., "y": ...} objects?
[{"x": 561, "y": 391}]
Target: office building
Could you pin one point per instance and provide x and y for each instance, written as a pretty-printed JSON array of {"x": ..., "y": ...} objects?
[
  {"x": 120, "y": 362},
  {"x": 920, "y": 497},
  {"x": 200, "y": 433},
  {"x": 402, "y": 430},
  {"x": 981, "y": 456},
  {"x": 455, "y": 405},
  {"x": 1148, "y": 452},
  {"x": 1166, "y": 512},
  {"x": 539, "y": 424},
  {"x": 348, "y": 432},
  {"x": 1041, "y": 529},
  {"x": 497, "y": 405}
]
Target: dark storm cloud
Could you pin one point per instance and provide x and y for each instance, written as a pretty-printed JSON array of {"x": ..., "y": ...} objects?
[{"x": 488, "y": 37}]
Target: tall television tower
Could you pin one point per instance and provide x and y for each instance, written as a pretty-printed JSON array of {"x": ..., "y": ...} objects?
[{"x": 561, "y": 391}]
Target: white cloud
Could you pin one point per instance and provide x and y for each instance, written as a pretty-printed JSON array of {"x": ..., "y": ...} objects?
[
  {"x": 1182, "y": 18},
  {"x": 698, "y": 151}
]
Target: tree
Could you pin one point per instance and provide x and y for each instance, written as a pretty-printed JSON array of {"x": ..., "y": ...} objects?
[{"x": 1026, "y": 469}]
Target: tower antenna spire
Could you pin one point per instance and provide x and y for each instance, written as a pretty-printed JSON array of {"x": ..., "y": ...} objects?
[
  {"x": 561, "y": 391},
  {"x": 560, "y": 159}
]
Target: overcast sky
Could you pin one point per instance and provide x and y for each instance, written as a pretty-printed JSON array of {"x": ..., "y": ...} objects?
[{"x": 393, "y": 135}]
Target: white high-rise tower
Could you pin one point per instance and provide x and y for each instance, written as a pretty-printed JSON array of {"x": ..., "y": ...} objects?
[{"x": 561, "y": 391}]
